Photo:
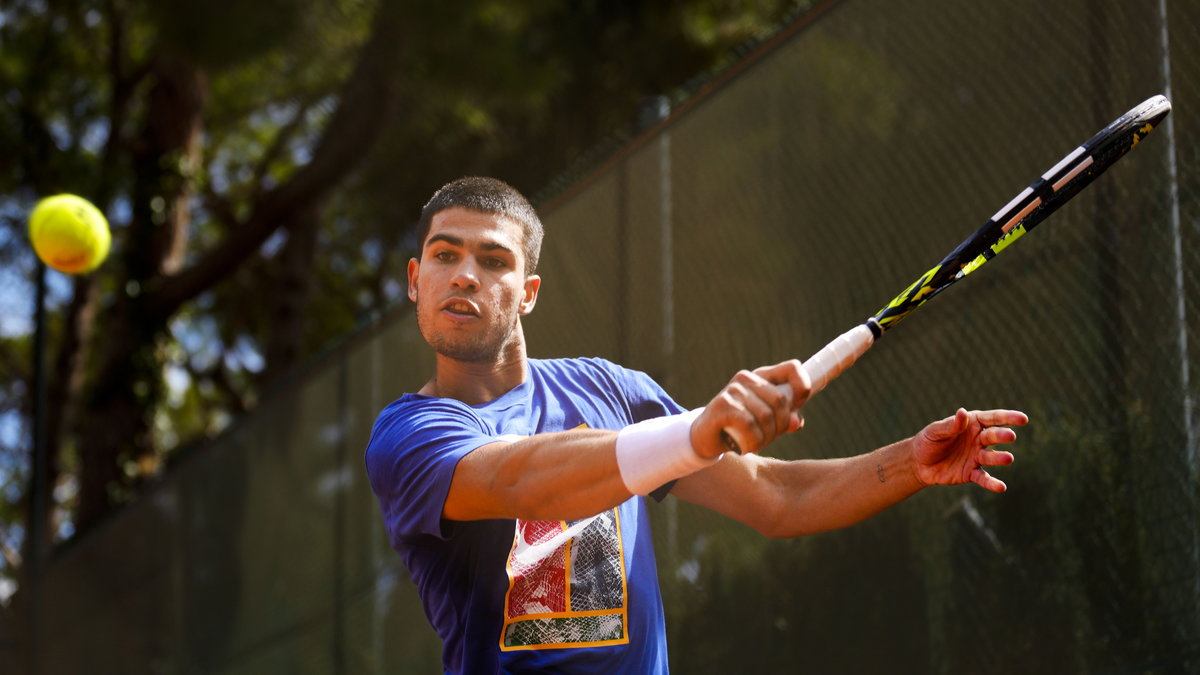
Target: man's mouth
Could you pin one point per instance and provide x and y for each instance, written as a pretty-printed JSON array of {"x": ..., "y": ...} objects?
[{"x": 460, "y": 307}]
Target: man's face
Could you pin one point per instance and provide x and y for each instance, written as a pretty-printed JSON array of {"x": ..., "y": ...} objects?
[{"x": 470, "y": 286}]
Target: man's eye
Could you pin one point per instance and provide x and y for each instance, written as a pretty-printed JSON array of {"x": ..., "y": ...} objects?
[
  {"x": 443, "y": 256},
  {"x": 495, "y": 263}
]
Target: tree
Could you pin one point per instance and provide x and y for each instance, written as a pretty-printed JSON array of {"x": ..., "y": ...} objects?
[{"x": 262, "y": 164}]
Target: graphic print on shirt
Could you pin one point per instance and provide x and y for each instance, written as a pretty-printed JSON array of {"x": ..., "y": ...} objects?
[{"x": 566, "y": 585}]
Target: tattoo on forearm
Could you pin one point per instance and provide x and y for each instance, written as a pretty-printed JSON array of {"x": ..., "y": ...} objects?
[{"x": 879, "y": 473}]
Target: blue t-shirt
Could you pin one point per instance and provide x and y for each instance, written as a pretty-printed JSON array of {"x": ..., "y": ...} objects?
[{"x": 517, "y": 596}]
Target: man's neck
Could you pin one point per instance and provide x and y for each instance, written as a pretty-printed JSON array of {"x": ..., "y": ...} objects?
[{"x": 476, "y": 383}]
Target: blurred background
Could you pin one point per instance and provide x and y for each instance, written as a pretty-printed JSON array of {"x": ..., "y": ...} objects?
[{"x": 725, "y": 183}]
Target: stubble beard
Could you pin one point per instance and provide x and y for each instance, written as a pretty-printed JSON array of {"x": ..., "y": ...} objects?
[{"x": 485, "y": 347}]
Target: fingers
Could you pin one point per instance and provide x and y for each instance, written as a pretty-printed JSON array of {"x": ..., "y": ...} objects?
[
  {"x": 995, "y": 418},
  {"x": 753, "y": 409},
  {"x": 961, "y": 448},
  {"x": 948, "y": 428},
  {"x": 996, "y": 436},
  {"x": 792, "y": 373},
  {"x": 732, "y": 421},
  {"x": 757, "y": 411},
  {"x": 770, "y": 405},
  {"x": 989, "y": 457},
  {"x": 993, "y": 423},
  {"x": 987, "y": 481}
]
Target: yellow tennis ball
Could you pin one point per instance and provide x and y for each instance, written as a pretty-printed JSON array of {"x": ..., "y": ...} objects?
[{"x": 69, "y": 234}]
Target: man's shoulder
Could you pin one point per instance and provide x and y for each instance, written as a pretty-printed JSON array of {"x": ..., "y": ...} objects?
[
  {"x": 412, "y": 413},
  {"x": 590, "y": 378},
  {"x": 410, "y": 404},
  {"x": 581, "y": 365}
]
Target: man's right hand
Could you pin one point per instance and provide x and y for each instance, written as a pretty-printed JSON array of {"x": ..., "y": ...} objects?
[{"x": 753, "y": 410}]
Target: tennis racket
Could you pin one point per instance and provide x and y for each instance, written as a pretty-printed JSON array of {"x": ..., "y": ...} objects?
[{"x": 1028, "y": 209}]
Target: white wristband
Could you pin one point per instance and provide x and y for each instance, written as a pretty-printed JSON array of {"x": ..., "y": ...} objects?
[{"x": 655, "y": 452}]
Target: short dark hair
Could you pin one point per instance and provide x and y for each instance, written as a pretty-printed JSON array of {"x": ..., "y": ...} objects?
[{"x": 487, "y": 195}]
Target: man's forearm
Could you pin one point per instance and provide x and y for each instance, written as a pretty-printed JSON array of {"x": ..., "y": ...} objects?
[
  {"x": 789, "y": 499},
  {"x": 555, "y": 476},
  {"x": 820, "y": 495}
]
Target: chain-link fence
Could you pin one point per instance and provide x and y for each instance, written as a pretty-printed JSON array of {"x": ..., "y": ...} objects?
[{"x": 787, "y": 202}]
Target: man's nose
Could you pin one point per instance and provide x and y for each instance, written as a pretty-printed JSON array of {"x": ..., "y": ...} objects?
[{"x": 466, "y": 276}]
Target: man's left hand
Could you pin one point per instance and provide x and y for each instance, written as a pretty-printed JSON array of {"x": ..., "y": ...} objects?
[{"x": 957, "y": 449}]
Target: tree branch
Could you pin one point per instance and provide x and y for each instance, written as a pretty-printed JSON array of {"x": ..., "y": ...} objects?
[
  {"x": 367, "y": 102},
  {"x": 219, "y": 206},
  {"x": 278, "y": 144},
  {"x": 123, "y": 87}
]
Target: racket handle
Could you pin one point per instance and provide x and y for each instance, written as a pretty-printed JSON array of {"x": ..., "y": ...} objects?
[
  {"x": 823, "y": 367},
  {"x": 835, "y": 357}
]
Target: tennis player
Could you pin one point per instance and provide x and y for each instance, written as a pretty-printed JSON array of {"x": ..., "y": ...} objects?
[{"x": 514, "y": 488}]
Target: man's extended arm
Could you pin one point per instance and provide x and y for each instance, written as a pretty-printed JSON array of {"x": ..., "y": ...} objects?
[
  {"x": 788, "y": 499},
  {"x": 573, "y": 474}
]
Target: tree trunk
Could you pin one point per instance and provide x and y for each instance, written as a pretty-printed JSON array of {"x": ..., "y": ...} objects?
[
  {"x": 128, "y": 384},
  {"x": 292, "y": 288},
  {"x": 116, "y": 429},
  {"x": 66, "y": 384}
]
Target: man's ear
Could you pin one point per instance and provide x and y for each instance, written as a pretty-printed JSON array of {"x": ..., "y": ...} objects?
[
  {"x": 413, "y": 268},
  {"x": 532, "y": 283}
]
